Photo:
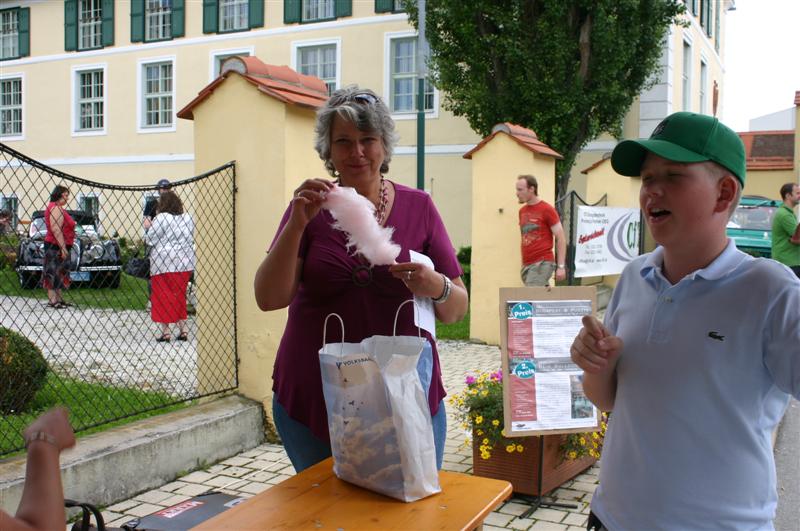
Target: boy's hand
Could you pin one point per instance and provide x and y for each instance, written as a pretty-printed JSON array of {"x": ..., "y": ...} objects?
[{"x": 594, "y": 350}]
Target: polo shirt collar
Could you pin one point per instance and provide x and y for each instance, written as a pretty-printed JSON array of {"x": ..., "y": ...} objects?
[{"x": 728, "y": 260}]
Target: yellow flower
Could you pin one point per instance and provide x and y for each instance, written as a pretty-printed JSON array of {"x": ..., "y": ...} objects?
[
  {"x": 510, "y": 448},
  {"x": 484, "y": 393},
  {"x": 573, "y": 454},
  {"x": 594, "y": 445},
  {"x": 485, "y": 455},
  {"x": 520, "y": 448},
  {"x": 595, "y": 435},
  {"x": 583, "y": 441},
  {"x": 486, "y": 441},
  {"x": 479, "y": 432},
  {"x": 495, "y": 423},
  {"x": 478, "y": 419}
]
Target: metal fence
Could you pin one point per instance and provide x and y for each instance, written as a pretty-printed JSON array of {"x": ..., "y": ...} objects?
[{"x": 103, "y": 360}]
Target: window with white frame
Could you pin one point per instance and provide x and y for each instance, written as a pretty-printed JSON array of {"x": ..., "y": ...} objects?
[
  {"x": 703, "y": 87},
  {"x": 9, "y": 33},
  {"x": 90, "y": 204},
  {"x": 11, "y": 106},
  {"x": 90, "y": 24},
  {"x": 157, "y": 94},
  {"x": 90, "y": 100},
  {"x": 318, "y": 10},
  {"x": 10, "y": 204},
  {"x": 686, "y": 80},
  {"x": 319, "y": 61},
  {"x": 233, "y": 14},
  {"x": 403, "y": 82},
  {"x": 220, "y": 58},
  {"x": 157, "y": 20}
]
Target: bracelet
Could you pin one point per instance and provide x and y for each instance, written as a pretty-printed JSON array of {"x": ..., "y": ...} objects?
[
  {"x": 561, "y": 266},
  {"x": 448, "y": 287},
  {"x": 40, "y": 436}
]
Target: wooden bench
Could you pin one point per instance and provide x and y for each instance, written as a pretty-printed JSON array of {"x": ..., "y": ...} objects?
[{"x": 317, "y": 499}]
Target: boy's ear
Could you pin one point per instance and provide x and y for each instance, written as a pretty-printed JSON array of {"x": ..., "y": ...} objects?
[{"x": 728, "y": 188}]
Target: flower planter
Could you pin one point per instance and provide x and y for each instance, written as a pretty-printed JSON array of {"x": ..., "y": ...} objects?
[{"x": 521, "y": 469}]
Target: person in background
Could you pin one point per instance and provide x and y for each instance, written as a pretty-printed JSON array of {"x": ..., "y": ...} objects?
[
  {"x": 786, "y": 230},
  {"x": 150, "y": 204},
  {"x": 5, "y": 222},
  {"x": 700, "y": 350},
  {"x": 310, "y": 269},
  {"x": 172, "y": 261},
  {"x": 149, "y": 213},
  {"x": 42, "y": 503},
  {"x": 57, "y": 246},
  {"x": 539, "y": 225}
]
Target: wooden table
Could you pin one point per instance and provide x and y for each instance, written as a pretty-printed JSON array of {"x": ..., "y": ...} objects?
[{"x": 317, "y": 499}]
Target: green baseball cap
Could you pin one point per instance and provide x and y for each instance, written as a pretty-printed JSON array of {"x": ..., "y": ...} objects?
[{"x": 684, "y": 137}]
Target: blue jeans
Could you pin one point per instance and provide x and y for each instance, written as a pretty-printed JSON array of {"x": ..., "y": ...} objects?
[{"x": 305, "y": 449}]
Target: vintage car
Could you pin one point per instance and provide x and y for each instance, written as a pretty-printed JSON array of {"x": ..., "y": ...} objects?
[
  {"x": 751, "y": 225},
  {"x": 93, "y": 261}
]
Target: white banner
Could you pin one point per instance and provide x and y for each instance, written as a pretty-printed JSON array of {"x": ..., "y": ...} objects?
[{"x": 606, "y": 239}]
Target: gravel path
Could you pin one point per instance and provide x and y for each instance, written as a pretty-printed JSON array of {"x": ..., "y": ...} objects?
[{"x": 107, "y": 346}]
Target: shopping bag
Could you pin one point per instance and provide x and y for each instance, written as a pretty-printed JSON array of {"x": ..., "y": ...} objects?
[{"x": 378, "y": 415}]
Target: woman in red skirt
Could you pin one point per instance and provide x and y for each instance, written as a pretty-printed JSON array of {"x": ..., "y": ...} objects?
[
  {"x": 171, "y": 237},
  {"x": 57, "y": 246}
]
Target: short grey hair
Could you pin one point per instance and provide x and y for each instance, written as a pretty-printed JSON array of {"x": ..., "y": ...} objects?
[{"x": 366, "y": 115}]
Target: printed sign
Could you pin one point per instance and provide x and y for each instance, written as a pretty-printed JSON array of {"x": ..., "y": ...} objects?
[{"x": 606, "y": 239}]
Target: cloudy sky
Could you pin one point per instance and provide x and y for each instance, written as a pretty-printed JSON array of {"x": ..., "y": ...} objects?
[{"x": 762, "y": 60}]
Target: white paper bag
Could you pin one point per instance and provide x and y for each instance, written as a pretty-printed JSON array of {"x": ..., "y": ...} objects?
[{"x": 378, "y": 415}]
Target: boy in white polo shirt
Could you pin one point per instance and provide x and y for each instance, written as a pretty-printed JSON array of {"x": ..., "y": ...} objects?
[{"x": 699, "y": 352}]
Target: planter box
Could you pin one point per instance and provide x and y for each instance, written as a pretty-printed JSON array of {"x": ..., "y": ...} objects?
[{"x": 521, "y": 469}]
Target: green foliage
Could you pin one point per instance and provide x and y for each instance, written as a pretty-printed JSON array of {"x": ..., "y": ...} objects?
[
  {"x": 569, "y": 70},
  {"x": 465, "y": 259},
  {"x": 131, "y": 295},
  {"x": 92, "y": 408},
  {"x": 23, "y": 371},
  {"x": 458, "y": 330}
]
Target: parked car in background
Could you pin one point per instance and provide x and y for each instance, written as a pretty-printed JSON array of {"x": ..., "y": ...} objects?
[
  {"x": 93, "y": 260},
  {"x": 751, "y": 225}
]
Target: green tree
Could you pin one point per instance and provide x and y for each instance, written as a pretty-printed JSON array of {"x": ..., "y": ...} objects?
[{"x": 568, "y": 69}]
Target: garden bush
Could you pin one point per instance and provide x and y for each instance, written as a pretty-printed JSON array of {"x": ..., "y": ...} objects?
[{"x": 23, "y": 371}]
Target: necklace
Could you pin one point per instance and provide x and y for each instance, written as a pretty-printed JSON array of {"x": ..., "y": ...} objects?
[{"x": 383, "y": 202}]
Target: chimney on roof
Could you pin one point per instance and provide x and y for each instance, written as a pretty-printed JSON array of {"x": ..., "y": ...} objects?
[{"x": 797, "y": 97}]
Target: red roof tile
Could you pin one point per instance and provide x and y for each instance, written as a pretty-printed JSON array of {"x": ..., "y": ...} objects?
[
  {"x": 280, "y": 82},
  {"x": 524, "y": 137},
  {"x": 769, "y": 150},
  {"x": 606, "y": 156}
]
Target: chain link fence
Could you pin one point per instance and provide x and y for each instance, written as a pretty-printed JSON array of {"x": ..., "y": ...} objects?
[{"x": 100, "y": 354}]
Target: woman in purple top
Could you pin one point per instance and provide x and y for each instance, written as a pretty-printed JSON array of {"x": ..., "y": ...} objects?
[{"x": 309, "y": 269}]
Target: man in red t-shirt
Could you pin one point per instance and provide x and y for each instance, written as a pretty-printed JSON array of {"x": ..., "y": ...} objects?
[{"x": 538, "y": 225}]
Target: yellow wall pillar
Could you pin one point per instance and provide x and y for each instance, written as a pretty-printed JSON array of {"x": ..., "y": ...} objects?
[
  {"x": 272, "y": 144},
  {"x": 496, "y": 257}
]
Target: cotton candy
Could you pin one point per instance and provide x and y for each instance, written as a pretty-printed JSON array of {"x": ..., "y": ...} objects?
[{"x": 355, "y": 216}]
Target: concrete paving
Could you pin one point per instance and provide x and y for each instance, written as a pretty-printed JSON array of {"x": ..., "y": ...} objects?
[{"x": 256, "y": 470}]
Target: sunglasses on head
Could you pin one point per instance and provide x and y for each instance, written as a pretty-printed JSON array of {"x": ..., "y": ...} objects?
[{"x": 365, "y": 97}]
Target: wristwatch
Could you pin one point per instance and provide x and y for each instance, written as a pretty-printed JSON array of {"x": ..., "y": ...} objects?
[{"x": 40, "y": 436}]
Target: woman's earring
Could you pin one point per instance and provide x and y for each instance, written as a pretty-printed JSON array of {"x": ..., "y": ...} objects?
[{"x": 335, "y": 173}]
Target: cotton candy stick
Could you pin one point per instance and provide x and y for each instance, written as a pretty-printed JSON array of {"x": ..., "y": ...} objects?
[{"x": 355, "y": 216}]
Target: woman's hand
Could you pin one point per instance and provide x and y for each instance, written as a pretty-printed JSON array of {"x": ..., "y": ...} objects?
[
  {"x": 420, "y": 279},
  {"x": 63, "y": 253},
  {"x": 307, "y": 201}
]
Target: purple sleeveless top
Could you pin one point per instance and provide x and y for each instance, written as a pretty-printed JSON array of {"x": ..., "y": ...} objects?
[{"x": 334, "y": 281}]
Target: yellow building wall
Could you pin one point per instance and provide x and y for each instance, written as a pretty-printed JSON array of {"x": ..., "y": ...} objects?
[
  {"x": 496, "y": 261},
  {"x": 767, "y": 183},
  {"x": 272, "y": 145}
]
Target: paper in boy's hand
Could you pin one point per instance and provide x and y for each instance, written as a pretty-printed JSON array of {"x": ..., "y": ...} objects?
[{"x": 355, "y": 216}]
